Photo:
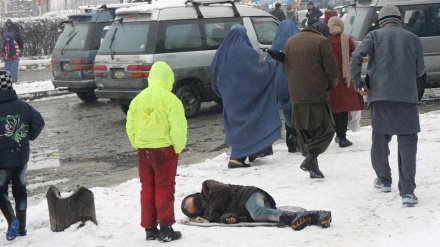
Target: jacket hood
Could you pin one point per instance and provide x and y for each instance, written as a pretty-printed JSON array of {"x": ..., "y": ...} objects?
[
  {"x": 7, "y": 95},
  {"x": 161, "y": 75}
]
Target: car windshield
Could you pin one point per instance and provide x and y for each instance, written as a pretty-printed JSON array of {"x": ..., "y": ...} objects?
[
  {"x": 357, "y": 22},
  {"x": 125, "y": 38},
  {"x": 73, "y": 37}
]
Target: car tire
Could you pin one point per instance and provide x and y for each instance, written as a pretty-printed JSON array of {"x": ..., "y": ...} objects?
[
  {"x": 124, "y": 108},
  {"x": 190, "y": 99},
  {"x": 87, "y": 96},
  {"x": 420, "y": 87}
]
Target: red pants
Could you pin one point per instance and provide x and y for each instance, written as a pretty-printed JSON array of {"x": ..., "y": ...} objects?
[{"x": 157, "y": 173}]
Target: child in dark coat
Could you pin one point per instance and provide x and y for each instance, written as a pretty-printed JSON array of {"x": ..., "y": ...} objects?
[{"x": 19, "y": 123}]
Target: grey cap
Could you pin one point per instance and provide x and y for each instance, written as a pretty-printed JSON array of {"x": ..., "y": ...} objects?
[{"x": 389, "y": 13}]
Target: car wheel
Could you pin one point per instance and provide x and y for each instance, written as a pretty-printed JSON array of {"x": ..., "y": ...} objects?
[
  {"x": 420, "y": 87},
  {"x": 124, "y": 108},
  {"x": 190, "y": 99},
  {"x": 87, "y": 96}
]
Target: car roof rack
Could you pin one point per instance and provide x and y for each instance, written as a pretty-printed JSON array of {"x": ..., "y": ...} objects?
[{"x": 197, "y": 3}]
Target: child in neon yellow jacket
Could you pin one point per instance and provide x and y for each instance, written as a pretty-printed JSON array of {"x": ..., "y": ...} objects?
[{"x": 157, "y": 127}]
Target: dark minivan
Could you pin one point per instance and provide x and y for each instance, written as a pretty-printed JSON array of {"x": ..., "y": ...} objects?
[{"x": 75, "y": 50}]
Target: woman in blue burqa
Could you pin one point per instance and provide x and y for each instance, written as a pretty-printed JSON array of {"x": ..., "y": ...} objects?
[
  {"x": 286, "y": 30},
  {"x": 247, "y": 89}
]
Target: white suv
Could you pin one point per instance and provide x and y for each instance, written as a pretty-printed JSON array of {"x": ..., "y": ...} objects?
[
  {"x": 184, "y": 34},
  {"x": 421, "y": 17}
]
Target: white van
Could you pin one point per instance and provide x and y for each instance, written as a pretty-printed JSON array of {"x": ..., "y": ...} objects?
[
  {"x": 421, "y": 17},
  {"x": 184, "y": 34}
]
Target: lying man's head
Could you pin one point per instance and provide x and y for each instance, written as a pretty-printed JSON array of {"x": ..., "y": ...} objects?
[{"x": 191, "y": 205}]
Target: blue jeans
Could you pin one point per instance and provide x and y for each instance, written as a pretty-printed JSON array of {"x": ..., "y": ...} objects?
[
  {"x": 18, "y": 178},
  {"x": 259, "y": 208}
]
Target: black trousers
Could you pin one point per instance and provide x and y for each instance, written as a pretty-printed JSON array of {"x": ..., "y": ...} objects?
[{"x": 341, "y": 121}]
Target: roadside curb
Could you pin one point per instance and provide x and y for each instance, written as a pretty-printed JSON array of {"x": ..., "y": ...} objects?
[{"x": 42, "y": 94}]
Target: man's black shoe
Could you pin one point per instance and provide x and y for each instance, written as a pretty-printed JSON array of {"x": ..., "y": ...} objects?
[
  {"x": 310, "y": 164},
  {"x": 345, "y": 143}
]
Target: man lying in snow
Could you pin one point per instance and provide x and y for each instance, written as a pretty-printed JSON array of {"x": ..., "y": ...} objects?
[{"x": 230, "y": 204}]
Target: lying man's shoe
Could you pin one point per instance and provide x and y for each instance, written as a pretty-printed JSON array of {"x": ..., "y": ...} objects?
[
  {"x": 321, "y": 218},
  {"x": 301, "y": 221}
]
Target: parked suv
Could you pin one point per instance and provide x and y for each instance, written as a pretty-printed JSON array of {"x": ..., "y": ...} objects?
[
  {"x": 76, "y": 47},
  {"x": 421, "y": 17},
  {"x": 184, "y": 34}
]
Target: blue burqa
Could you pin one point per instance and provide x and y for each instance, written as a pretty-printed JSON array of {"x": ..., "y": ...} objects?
[
  {"x": 250, "y": 114},
  {"x": 286, "y": 30}
]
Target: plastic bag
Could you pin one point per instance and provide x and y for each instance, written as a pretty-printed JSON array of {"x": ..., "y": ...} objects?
[{"x": 354, "y": 120}]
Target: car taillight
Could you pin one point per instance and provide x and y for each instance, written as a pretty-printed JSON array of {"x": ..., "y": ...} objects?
[
  {"x": 99, "y": 70},
  {"x": 82, "y": 64},
  {"x": 138, "y": 70},
  {"x": 55, "y": 64}
]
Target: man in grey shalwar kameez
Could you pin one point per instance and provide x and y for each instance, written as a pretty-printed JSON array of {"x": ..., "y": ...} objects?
[{"x": 395, "y": 62}]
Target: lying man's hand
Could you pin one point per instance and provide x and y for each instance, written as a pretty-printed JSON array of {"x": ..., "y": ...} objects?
[{"x": 229, "y": 218}]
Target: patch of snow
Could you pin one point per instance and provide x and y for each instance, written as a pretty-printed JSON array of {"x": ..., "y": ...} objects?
[{"x": 362, "y": 215}]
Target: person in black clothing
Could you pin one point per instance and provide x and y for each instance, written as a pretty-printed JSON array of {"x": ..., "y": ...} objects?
[
  {"x": 14, "y": 29},
  {"x": 313, "y": 14},
  {"x": 19, "y": 124},
  {"x": 230, "y": 204},
  {"x": 278, "y": 13}
]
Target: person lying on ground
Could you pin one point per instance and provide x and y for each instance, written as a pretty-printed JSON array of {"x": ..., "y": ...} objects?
[{"x": 231, "y": 204}]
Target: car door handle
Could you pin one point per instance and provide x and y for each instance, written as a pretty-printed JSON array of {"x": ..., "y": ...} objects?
[{"x": 170, "y": 57}]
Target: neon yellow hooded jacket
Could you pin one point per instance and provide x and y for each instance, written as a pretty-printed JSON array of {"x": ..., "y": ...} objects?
[{"x": 156, "y": 117}]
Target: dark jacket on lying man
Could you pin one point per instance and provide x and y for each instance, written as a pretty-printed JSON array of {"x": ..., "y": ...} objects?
[{"x": 228, "y": 203}]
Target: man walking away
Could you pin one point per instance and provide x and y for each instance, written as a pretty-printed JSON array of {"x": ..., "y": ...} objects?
[
  {"x": 396, "y": 60},
  {"x": 311, "y": 71}
]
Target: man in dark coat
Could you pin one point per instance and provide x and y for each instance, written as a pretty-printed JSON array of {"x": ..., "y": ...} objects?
[
  {"x": 14, "y": 29},
  {"x": 311, "y": 71},
  {"x": 228, "y": 203},
  {"x": 313, "y": 14},
  {"x": 278, "y": 13},
  {"x": 19, "y": 123}
]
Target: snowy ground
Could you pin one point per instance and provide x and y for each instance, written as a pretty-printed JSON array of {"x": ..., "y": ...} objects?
[{"x": 362, "y": 215}]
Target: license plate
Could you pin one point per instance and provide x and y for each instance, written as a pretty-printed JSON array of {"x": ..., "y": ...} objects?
[
  {"x": 118, "y": 73},
  {"x": 65, "y": 66}
]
